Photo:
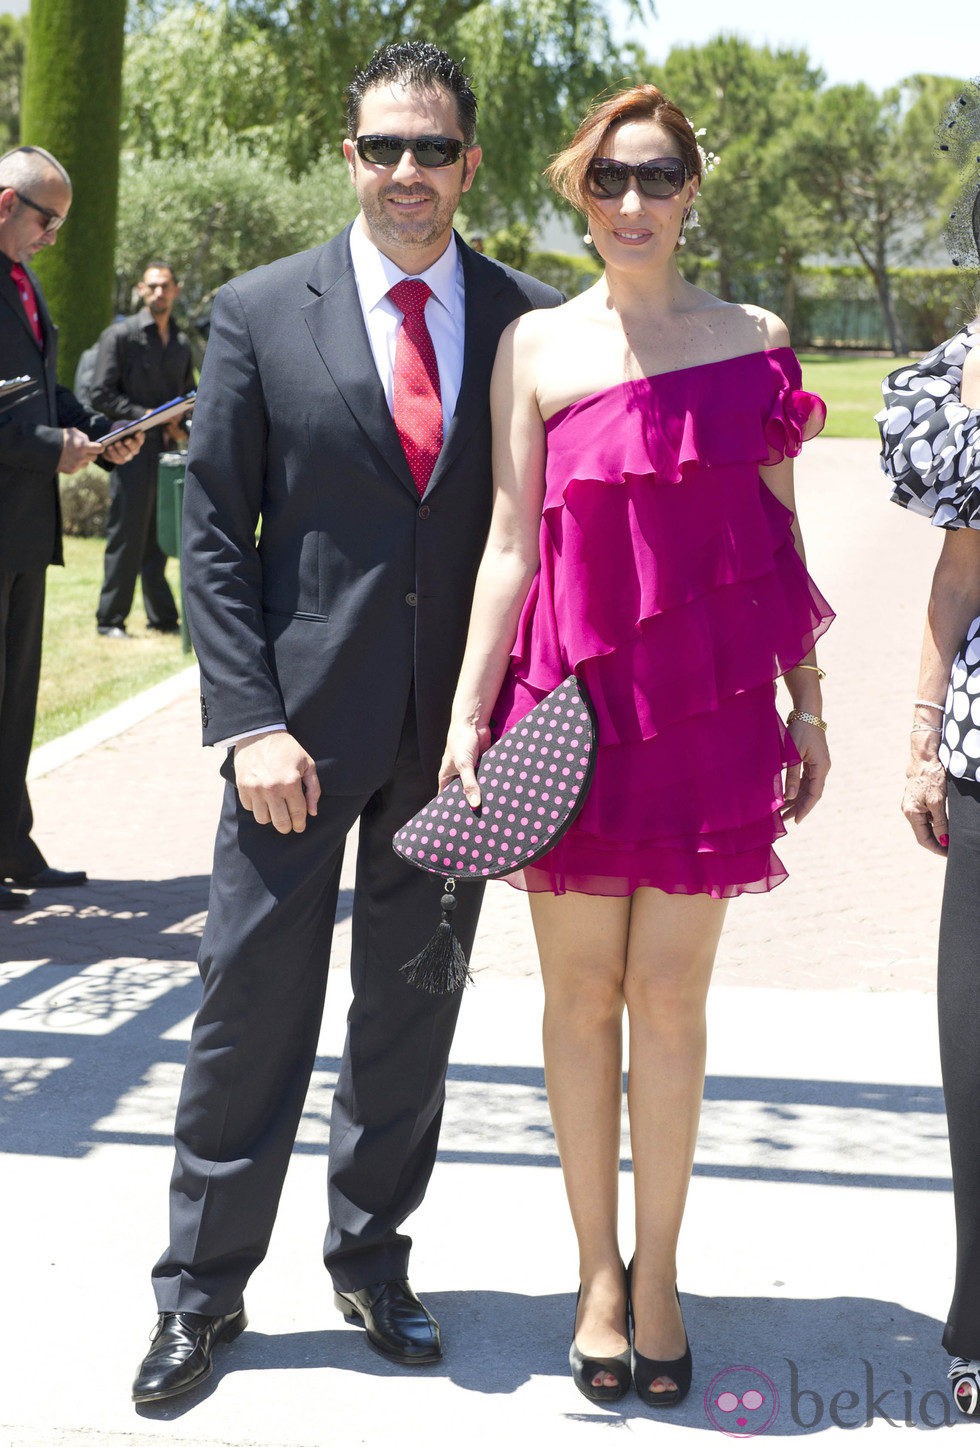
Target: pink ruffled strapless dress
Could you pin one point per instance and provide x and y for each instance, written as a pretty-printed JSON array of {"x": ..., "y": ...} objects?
[{"x": 670, "y": 584}]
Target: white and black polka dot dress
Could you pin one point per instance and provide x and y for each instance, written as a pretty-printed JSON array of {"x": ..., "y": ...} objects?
[{"x": 930, "y": 450}]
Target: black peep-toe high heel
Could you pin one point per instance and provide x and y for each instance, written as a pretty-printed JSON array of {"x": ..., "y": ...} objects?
[
  {"x": 646, "y": 1370},
  {"x": 584, "y": 1368}
]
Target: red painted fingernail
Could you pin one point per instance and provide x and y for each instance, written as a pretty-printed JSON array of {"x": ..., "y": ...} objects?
[{"x": 944, "y": 840}]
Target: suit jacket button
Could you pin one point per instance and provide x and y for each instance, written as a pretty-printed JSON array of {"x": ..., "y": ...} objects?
[
  {"x": 424, "y": 510},
  {"x": 411, "y": 599}
]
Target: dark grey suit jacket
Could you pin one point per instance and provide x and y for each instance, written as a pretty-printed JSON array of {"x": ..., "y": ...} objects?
[
  {"x": 30, "y": 435},
  {"x": 356, "y": 589}
]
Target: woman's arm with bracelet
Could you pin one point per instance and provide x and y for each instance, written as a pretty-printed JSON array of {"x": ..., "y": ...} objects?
[
  {"x": 953, "y": 603},
  {"x": 510, "y": 559}
]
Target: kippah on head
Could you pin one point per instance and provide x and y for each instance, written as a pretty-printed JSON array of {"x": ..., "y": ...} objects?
[{"x": 27, "y": 166}]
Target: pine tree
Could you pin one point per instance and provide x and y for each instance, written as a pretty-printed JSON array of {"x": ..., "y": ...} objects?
[{"x": 72, "y": 93}]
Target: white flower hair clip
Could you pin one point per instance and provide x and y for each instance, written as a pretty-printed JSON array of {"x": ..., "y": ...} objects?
[{"x": 709, "y": 160}]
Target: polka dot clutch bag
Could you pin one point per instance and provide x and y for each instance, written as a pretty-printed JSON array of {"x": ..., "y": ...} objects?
[{"x": 533, "y": 782}]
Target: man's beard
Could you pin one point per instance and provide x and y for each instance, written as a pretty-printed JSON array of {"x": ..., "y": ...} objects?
[{"x": 410, "y": 232}]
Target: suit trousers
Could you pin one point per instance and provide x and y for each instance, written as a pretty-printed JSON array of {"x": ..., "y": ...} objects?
[
  {"x": 131, "y": 547},
  {"x": 21, "y": 621},
  {"x": 264, "y": 960},
  {"x": 959, "y": 1011}
]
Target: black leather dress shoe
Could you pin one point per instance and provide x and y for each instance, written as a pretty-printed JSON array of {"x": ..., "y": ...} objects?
[
  {"x": 397, "y": 1324},
  {"x": 10, "y": 899},
  {"x": 180, "y": 1354},
  {"x": 48, "y": 878}
]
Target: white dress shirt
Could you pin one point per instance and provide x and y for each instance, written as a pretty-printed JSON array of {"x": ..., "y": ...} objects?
[
  {"x": 445, "y": 316},
  {"x": 445, "y": 313}
]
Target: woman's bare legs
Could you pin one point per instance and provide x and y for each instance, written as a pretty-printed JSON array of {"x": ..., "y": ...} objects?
[
  {"x": 670, "y": 954},
  {"x": 582, "y": 941}
]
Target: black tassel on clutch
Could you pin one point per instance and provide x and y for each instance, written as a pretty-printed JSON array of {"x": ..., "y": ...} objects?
[{"x": 440, "y": 968}]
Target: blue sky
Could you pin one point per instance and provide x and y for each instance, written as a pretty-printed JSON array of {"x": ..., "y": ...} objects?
[{"x": 877, "y": 41}]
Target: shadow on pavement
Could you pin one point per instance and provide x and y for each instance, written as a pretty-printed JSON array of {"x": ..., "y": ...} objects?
[{"x": 780, "y": 1366}]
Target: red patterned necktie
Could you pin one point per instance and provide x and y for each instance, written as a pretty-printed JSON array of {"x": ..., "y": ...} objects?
[
  {"x": 417, "y": 400},
  {"x": 19, "y": 278}
]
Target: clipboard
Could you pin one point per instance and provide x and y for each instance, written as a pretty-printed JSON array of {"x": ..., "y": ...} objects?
[
  {"x": 168, "y": 412},
  {"x": 17, "y": 389}
]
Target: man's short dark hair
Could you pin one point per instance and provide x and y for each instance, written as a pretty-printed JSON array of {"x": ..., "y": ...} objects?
[
  {"x": 417, "y": 65},
  {"x": 160, "y": 266}
]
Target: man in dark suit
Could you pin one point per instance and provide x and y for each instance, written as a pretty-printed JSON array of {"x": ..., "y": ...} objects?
[
  {"x": 329, "y": 651},
  {"x": 142, "y": 362},
  {"x": 50, "y": 432}
]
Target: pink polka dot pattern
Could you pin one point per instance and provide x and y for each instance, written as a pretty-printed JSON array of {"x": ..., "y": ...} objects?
[
  {"x": 533, "y": 781},
  {"x": 417, "y": 399}
]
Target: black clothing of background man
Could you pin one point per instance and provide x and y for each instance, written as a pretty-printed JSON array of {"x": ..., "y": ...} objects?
[
  {"x": 135, "y": 370},
  {"x": 46, "y": 433}
]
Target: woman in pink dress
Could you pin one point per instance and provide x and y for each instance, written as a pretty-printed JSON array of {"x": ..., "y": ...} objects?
[{"x": 644, "y": 536}]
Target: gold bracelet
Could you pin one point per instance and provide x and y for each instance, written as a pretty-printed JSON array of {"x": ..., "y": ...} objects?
[
  {"x": 804, "y": 717},
  {"x": 814, "y": 668}
]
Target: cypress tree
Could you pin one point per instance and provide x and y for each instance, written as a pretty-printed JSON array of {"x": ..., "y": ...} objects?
[{"x": 72, "y": 98}]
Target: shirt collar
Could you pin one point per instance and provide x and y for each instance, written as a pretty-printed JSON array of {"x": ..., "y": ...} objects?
[
  {"x": 148, "y": 322},
  {"x": 376, "y": 273}
]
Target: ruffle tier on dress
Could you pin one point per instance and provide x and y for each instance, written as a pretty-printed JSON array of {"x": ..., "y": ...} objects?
[
  {"x": 930, "y": 441},
  {"x": 670, "y": 584}
]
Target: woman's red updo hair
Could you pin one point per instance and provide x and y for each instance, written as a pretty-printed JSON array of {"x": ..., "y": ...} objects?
[{"x": 568, "y": 171}]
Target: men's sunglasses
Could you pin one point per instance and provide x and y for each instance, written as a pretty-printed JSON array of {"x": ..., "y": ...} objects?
[
  {"x": 429, "y": 151},
  {"x": 51, "y": 219},
  {"x": 658, "y": 179}
]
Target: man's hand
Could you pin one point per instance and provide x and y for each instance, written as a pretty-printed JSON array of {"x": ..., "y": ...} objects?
[
  {"x": 125, "y": 449},
  {"x": 276, "y": 781},
  {"x": 76, "y": 450}
]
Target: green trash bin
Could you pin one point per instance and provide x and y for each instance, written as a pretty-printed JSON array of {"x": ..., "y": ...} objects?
[{"x": 170, "y": 502}]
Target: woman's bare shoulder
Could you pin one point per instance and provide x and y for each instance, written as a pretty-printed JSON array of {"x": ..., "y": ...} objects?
[{"x": 760, "y": 328}]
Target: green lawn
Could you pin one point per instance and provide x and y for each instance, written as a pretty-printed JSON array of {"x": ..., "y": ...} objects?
[
  {"x": 83, "y": 675},
  {"x": 851, "y": 388}
]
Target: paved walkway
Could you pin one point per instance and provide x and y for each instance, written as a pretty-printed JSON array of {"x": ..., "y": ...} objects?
[{"x": 818, "y": 1233}]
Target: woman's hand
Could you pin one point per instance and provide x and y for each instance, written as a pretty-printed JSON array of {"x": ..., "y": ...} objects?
[
  {"x": 465, "y": 743},
  {"x": 924, "y": 803},
  {"x": 805, "y": 781}
]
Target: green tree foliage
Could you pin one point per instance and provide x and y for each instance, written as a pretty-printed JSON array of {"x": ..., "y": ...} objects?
[
  {"x": 751, "y": 101},
  {"x": 269, "y": 77},
  {"x": 215, "y": 217},
  {"x": 71, "y": 107},
  {"x": 875, "y": 177},
  {"x": 13, "y": 41}
]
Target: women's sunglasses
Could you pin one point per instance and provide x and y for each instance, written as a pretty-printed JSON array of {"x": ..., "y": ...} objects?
[
  {"x": 658, "y": 179},
  {"x": 428, "y": 150}
]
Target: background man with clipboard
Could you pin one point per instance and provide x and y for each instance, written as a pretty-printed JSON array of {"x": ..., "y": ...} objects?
[
  {"x": 142, "y": 362},
  {"x": 47, "y": 432}
]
